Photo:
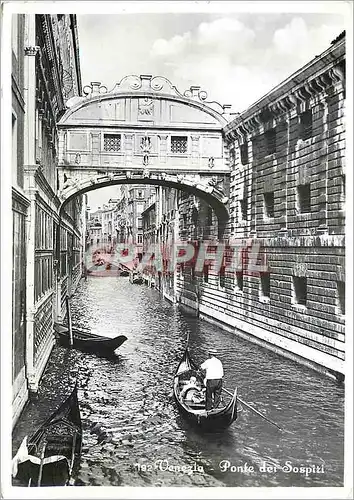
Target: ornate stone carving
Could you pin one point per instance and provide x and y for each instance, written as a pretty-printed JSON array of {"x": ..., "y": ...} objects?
[
  {"x": 32, "y": 50},
  {"x": 94, "y": 89},
  {"x": 211, "y": 162},
  {"x": 146, "y": 107},
  {"x": 145, "y": 147}
]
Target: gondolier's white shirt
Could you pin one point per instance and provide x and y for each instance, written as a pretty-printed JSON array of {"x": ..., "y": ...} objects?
[{"x": 213, "y": 367}]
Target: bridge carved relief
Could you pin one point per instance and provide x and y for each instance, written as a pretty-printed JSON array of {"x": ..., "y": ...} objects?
[{"x": 144, "y": 131}]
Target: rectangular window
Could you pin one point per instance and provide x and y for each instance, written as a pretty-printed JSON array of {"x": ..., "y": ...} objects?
[
  {"x": 304, "y": 198},
  {"x": 179, "y": 144},
  {"x": 112, "y": 142},
  {"x": 140, "y": 238},
  {"x": 206, "y": 273},
  {"x": 300, "y": 290},
  {"x": 239, "y": 280},
  {"x": 341, "y": 296},
  {"x": 342, "y": 191},
  {"x": 232, "y": 157},
  {"x": 222, "y": 276},
  {"x": 305, "y": 131},
  {"x": 268, "y": 205},
  {"x": 243, "y": 209},
  {"x": 265, "y": 285},
  {"x": 244, "y": 153},
  {"x": 271, "y": 141}
]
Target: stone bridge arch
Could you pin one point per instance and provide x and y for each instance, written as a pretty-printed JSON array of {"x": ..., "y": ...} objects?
[{"x": 144, "y": 131}]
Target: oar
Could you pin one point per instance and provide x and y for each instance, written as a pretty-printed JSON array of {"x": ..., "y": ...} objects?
[
  {"x": 41, "y": 464},
  {"x": 253, "y": 409},
  {"x": 188, "y": 335},
  {"x": 70, "y": 328}
]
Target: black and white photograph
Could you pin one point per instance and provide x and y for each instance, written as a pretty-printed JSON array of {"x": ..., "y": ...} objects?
[{"x": 176, "y": 235}]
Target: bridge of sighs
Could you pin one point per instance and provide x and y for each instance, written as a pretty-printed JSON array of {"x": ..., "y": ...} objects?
[{"x": 144, "y": 131}]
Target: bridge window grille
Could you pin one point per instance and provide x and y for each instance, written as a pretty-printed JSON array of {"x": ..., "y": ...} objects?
[
  {"x": 300, "y": 290},
  {"x": 306, "y": 125},
  {"x": 179, "y": 144},
  {"x": 112, "y": 142}
]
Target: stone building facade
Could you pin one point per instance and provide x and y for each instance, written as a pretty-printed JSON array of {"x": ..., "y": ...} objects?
[
  {"x": 20, "y": 205},
  {"x": 287, "y": 193},
  {"x": 46, "y": 72}
]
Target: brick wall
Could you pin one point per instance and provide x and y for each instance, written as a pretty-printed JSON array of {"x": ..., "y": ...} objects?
[{"x": 289, "y": 196}]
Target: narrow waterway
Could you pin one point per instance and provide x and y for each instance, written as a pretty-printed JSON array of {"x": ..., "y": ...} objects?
[{"x": 133, "y": 434}]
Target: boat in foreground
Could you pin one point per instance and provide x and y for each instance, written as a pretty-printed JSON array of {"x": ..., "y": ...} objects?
[
  {"x": 215, "y": 419},
  {"x": 87, "y": 341},
  {"x": 51, "y": 456}
]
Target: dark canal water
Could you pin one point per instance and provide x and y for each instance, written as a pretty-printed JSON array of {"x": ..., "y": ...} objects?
[{"x": 133, "y": 434}]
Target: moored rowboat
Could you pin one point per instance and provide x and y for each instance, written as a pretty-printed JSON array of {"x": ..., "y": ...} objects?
[
  {"x": 51, "y": 456},
  {"x": 89, "y": 342},
  {"x": 215, "y": 419}
]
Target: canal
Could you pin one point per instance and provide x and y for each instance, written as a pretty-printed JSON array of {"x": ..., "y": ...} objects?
[{"x": 133, "y": 434}]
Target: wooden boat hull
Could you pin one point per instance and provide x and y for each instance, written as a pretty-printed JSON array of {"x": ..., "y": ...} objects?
[
  {"x": 88, "y": 342},
  {"x": 213, "y": 420},
  {"x": 136, "y": 278},
  {"x": 61, "y": 434}
]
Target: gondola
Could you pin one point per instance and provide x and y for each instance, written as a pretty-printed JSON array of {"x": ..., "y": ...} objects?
[
  {"x": 51, "y": 456},
  {"x": 136, "y": 278},
  {"x": 88, "y": 342},
  {"x": 215, "y": 419}
]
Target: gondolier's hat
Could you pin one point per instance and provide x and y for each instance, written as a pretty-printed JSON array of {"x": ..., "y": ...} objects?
[{"x": 212, "y": 351}]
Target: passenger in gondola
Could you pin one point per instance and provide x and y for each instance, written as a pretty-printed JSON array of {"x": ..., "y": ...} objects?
[
  {"x": 214, "y": 375},
  {"x": 192, "y": 391}
]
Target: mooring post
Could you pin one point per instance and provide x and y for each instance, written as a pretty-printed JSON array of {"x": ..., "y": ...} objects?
[{"x": 68, "y": 313}]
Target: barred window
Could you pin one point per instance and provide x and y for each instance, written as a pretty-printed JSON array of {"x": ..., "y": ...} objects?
[
  {"x": 244, "y": 153},
  {"x": 179, "y": 144},
  {"x": 306, "y": 125},
  {"x": 271, "y": 141},
  {"x": 300, "y": 290},
  {"x": 304, "y": 198},
  {"x": 265, "y": 285},
  {"x": 239, "y": 280},
  {"x": 341, "y": 296},
  {"x": 268, "y": 205},
  {"x": 111, "y": 142},
  {"x": 243, "y": 208},
  {"x": 222, "y": 276}
]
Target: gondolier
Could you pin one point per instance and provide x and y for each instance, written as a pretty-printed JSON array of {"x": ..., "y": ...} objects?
[{"x": 214, "y": 375}]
